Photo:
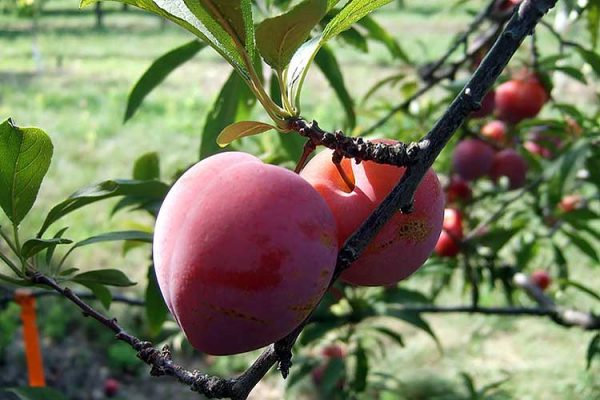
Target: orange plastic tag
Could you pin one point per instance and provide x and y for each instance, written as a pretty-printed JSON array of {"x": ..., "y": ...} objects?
[{"x": 31, "y": 338}]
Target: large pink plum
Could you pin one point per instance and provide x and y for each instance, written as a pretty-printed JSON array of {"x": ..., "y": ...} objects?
[
  {"x": 509, "y": 163},
  {"x": 243, "y": 252},
  {"x": 405, "y": 242}
]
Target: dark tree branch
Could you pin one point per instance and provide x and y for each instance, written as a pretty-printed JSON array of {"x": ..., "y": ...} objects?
[{"x": 434, "y": 73}]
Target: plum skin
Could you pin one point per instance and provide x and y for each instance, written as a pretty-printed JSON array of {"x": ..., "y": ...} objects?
[
  {"x": 472, "y": 159},
  {"x": 405, "y": 242},
  {"x": 243, "y": 251},
  {"x": 519, "y": 99},
  {"x": 509, "y": 163}
]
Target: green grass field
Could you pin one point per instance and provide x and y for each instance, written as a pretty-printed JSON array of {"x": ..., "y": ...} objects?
[{"x": 77, "y": 89}]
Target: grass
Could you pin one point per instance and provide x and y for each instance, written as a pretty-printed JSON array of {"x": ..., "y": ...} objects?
[{"x": 78, "y": 94}]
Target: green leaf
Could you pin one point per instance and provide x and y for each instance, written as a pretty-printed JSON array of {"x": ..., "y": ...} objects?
[
  {"x": 395, "y": 336},
  {"x": 34, "y": 246},
  {"x": 593, "y": 59},
  {"x": 298, "y": 67},
  {"x": 593, "y": 20},
  {"x": 225, "y": 25},
  {"x": 361, "y": 368},
  {"x": 192, "y": 16},
  {"x": 241, "y": 129},
  {"x": 157, "y": 72},
  {"x": 234, "y": 102},
  {"x": 325, "y": 60},
  {"x": 102, "y": 191},
  {"x": 582, "y": 288},
  {"x": 110, "y": 277},
  {"x": 278, "y": 38},
  {"x": 138, "y": 236},
  {"x": 351, "y": 13},
  {"x": 51, "y": 248},
  {"x": 35, "y": 393},
  {"x": 101, "y": 292},
  {"x": 573, "y": 72},
  {"x": 583, "y": 245},
  {"x": 147, "y": 167},
  {"x": 25, "y": 155},
  {"x": 379, "y": 34},
  {"x": 415, "y": 319},
  {"x": 156, "y": 309},
  {"x": 316, "y": 331},
  {"x": 299, "y": 371},
  {"x": 593, "y": 350}
]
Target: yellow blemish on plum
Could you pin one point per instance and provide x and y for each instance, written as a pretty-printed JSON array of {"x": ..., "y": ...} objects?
[
  {"x": 327, "y": 240},
  {"x": 236, "y": 314},
  {"x": 413, "y": 229}
]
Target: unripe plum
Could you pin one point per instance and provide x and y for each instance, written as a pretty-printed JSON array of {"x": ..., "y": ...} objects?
[
  {"x": 541, "y": 279},
  {"x": 405, "y": 242},
  {"x": 243, "y": 252},
  {"x": 519, "y": 99},
  {"x": 509, "y": 163},
  {"x": 570, "y": 202},
  {"x": 446, "y": 246},
  {"x": 111, "y": 387},
  {"x": 472, "y": 159},
  {"x": 495, "y": 131},
  {"x": 458, "y": 190}
]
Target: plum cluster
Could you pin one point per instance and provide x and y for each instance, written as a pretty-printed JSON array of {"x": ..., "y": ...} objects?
[{"x": 244, "y": 251}]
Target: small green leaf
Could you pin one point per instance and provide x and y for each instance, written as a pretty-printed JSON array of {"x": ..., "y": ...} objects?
[
  {"x": 279, "y": 37},
  {"x": 361, "y": 369},
  {"x": 234, "y": 102},
  {"x": 325, "y": 60},
  {"x": 110, "y": 277},
  {"x": 138, "y": 236},
  {"x": 156, "y": 309},
  {"x": 583, "y": 245},
  {"x": 316, "y": 331},
  {"x": 353, "y": 11},
  {"x": 241, "y": 129},
  {"x": 298, "y": 67},
  {"x": 399, "y": 295},
  {"x": 593, "y": 350},
  {"x": 102, "y": 191},
  {"x": 25, "y": 155},
  {"x": 299, "y": 371},
  {"x": 582, "y": 288},
  {"x": 334, "y": 373},
  {"x": 416, "y": 320},
  {"x": 157, "y": 72},
  {"x": 34, "y": 246},
  {"x": 35, "y": 393},
  {"x": 395, "y": 336},
  {"x": 593, "y": 20},
  {"x": 593, "y": 59},
  {"x": 147, "y": 167},
  {"x": 51, "y": 248},
  {"x": 101, "y": 292}
]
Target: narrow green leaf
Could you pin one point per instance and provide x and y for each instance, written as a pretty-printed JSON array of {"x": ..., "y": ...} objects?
[
  {"x": 316, "y": 331},
  {"x": 157, "y": 72},
  {"x": 241, "y": 129},
  {"x": 325, "y": 60},
  {"x": 395, "y": 336},
  {"x": 138, "y": 236},
  {"x": 147, "y": 167},
  {"x": 380, "y": 34},
  {"x": 34, "y": 246},
  {"x": 51, "y": 248},
  {"x": 298, "y": 68},
  {"x": 35, "y": 393},
  {"x": 234, "y": 102},
  {"x": 582, "y": 288},
  {"x": 416, "y": 320},
  {"x": 590, "y": 57},
  {"x": 573, "y": 73},
  {"x": 351, "y": 13},
  {"x": 101, "y": 292},
  {"x": 593, "y": 350},
  {"x": 583, "y": 245},
  {"x": 190, "y": 15},
  {"x": 235, "y": 17},
  {"x": 278, "y": 38},
  {"x": 111, "y": 277},
  {"x": 156, "y": 309},
  {"x": 25, "y": 155},
  {"x": 299, "y": 371},
  {"x": 102, "y": 191},
  {"x": 361, "y": 368},
  {"x": 399, "y": 295},
  {"x": 593, "y": 20}
]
